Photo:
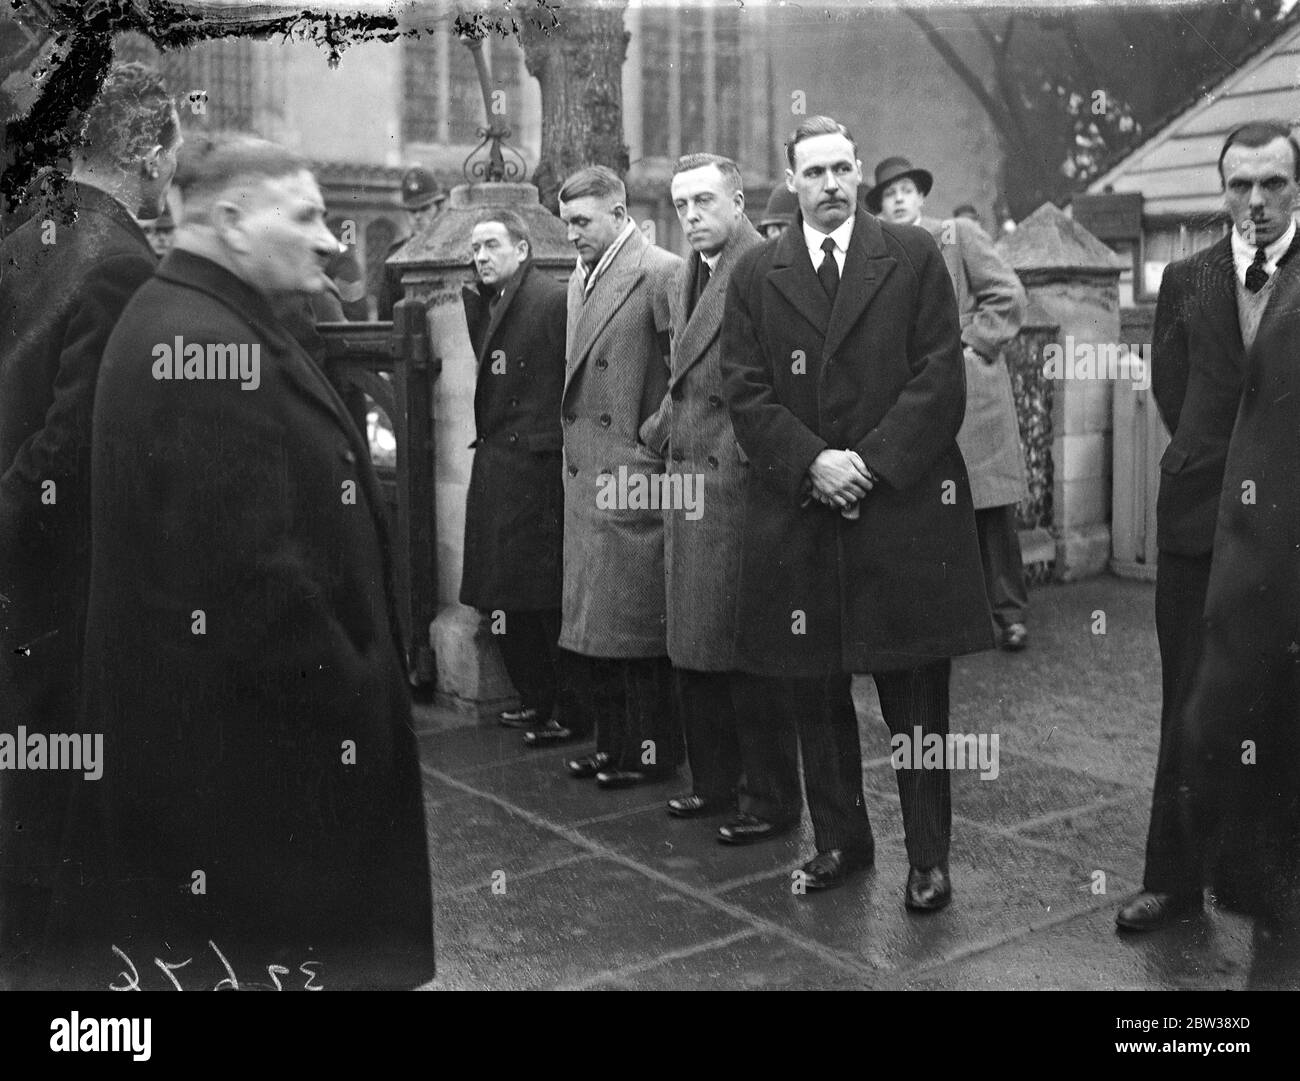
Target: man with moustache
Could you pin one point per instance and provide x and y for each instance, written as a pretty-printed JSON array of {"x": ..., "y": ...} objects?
[
  {"x": 693, "y": 431},
  {"x": 1224, "y": 378},
  {"x": 63, "y": 284},
  {"x": 991, "y": 302},
  {"x": 614, "y": 605},
  {"x": 515, "y": 506},
  {"x": 243, "y": 654},
  {"x": 842, "y": 367}
]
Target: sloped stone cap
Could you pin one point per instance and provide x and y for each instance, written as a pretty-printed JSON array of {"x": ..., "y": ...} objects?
[
  {"x": 1051, "y": 240},
  {"x": 446, "y": 242}
]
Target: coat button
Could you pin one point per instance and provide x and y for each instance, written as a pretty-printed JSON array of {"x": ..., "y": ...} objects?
[
  {"x": 677, "y": 394},
  {"x": 606, "y": 420},
  {"x": 678, "y": 456},
  {"x": 713, "y": 461},
  {"x": 569, "y": 418},
  {"x": 513, "y": 437},
  {"x": 348, "y": 456},
  {"x": 715, "y": 401},
  {"x": 602, "y": 364},
  {"x": 514, "y": 403},
  {"x": 573, "y": 470}
]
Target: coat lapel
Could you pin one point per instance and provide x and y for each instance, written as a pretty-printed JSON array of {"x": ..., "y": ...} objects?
[
  {"x": 1221, "y": 301},
  {"x": 1288, "y": 267},
  {"x": 866, "y": 267},
  {"x": 590, "y": 316},
  {"x": 693, "y": 337},
  {"x": 792, "y": 275},
  {"x": 499, "y": 312}
]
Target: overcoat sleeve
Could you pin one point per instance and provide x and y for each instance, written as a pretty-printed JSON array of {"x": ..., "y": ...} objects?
[
  {"x": 1169, "y": 348},
  {"x": 998, "y": 299},
  {"x": 779, "y": 445},
  {"x": 924, "y": 419}
]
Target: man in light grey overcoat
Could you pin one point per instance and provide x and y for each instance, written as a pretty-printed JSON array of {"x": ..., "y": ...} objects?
[
  {"x": 693, "y": 430},
  {"x": 616, "y": 374},
  {"x": 992, "y": 304}
]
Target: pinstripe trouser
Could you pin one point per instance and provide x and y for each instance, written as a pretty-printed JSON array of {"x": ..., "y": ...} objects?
[{"x": 777, "y": 718}]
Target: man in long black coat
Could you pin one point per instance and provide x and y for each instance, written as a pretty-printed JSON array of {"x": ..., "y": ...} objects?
[
  {"x": 1205, "y": 318},
  {"x": 514, "y": 511},
  {"x": 1243, "y": 711},
  {"x": 65, "y": 277},
  {"x": 243, "y": 648},
  {"x": 844, "y": 377}
]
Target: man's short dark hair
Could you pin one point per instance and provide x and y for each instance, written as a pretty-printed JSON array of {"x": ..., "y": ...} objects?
[
  {"x": 594, "y": 180},
  {"x": 729, "y": 169},
  {"x": 514, "y": 225},
  {"x": 1259, "y": 133},
  {"x": 817, "y": 125},
  {"x": 132, "y": 114},
  {"x": 209, "y": 165}
]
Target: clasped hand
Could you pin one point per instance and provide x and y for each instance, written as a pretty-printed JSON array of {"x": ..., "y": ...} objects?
[{"x": 839, "y": 478}]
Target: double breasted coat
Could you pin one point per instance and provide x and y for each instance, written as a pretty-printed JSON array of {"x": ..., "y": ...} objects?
[
  {"x": 515, "y": 507},
  {"x": 1244, "y": 706},
  {"x": 693, "y": 430},
  {"x": 991, "y": 303},
  {"x": 243, "y": 655},
  {"x": 63, "y": 285},
  {"x": 879, "y": 372},
  {"x": 617, "y": 372}
]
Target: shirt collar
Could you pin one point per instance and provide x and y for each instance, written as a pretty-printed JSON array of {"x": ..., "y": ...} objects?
[
  {"x": 589, "y": 276},
  {"x": 712, "y": 260},
  {"x": 1243, "y": 252},
  {"x": 814, "y": 237}
]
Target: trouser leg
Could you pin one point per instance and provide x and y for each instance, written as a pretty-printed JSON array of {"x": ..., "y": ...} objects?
[
  {"x": 832, "y": 762},
  {"x": 708, "y": 719},
  {"x": 767, "y": 736},
  {"x": 1004, "y": 572}
]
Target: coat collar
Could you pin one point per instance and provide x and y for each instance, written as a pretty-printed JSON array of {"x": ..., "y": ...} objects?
[
  {"x": 693, "y": 336},
  {"x": 589, "y": 315},
  {"x": 481, "y": 298},
  {"x": 86, "y": 198},
  {"x": 866, "y": 266},
  {"x": 251, "y": 306}
]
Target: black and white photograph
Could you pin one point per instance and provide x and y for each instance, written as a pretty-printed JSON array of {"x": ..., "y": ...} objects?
[{"x": 651, "y": 495}]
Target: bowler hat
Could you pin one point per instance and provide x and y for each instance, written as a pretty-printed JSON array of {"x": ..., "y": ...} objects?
[
  {"x": 782, "y": 205},
  {"x": 420, "y": 188},
  {"x": 892, "y": 169}
]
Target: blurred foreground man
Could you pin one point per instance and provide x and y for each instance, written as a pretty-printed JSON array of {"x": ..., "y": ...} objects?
[
  {"x": 515, "y": 507},
  {"x": 243, "y": 655},
  {"x": 841, "y": 354},
  {"x": 1242, "y": 759},
  {"x": 63, "y": 285},
  {"x": 614, "y": 596},
  {"x": 703, "y": 532},
  {"x": 991, "y": 302}
]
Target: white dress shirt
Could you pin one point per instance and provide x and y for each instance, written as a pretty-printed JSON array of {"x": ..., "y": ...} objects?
[
  {"x": 1243, "y": 252},
  {"x": 814, "y": 239}
]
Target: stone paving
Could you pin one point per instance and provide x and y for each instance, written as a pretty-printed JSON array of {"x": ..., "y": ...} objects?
[{"x": 542, "y": 881}]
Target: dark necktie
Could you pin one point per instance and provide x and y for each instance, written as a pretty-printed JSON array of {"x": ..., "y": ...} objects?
[
  {"x": 1256, "y": 275},
  {"x": 829, "y": 272},
  {"x": 701, "y": 283}
]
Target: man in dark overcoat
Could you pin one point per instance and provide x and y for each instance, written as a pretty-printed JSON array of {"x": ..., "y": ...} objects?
[
  {"x": 515, "y": 507},
  {"x": 614, "y": 592},
  {"x": 842, "y": 361},
  {"x": 1206, "y": 317},
  {"x": 1243, "y": 711},
  {"x": 703, "y": 533},
  {"x": 243, "y": 654},
  {"x": 65, "y": 277}
]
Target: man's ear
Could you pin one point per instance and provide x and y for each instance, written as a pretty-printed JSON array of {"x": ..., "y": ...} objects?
[
  {"x": 227, "y": 220},
  {"x": 789, "y": 179},
  {"x": 149, "y": 162}
]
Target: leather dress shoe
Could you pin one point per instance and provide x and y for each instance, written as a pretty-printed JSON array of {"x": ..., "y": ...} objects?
[
  {"x": 1151, "y": 910},
  {"x": 520, "y": 718},
  {"x": 832, "y": 868},
  {"x": 588, "y": 765},
  {"x": 693, "y": 806},
  {"x": 928, "y": 890},
  {"x": 550, "y": 735},
  {"x": 629, "y": 778},
  {"x": 748, "y": 829},
  {"x": 1015, "y": 637}
]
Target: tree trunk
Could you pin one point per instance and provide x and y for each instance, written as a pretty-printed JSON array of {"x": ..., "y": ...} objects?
[{"x": 579, "y": 65}]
